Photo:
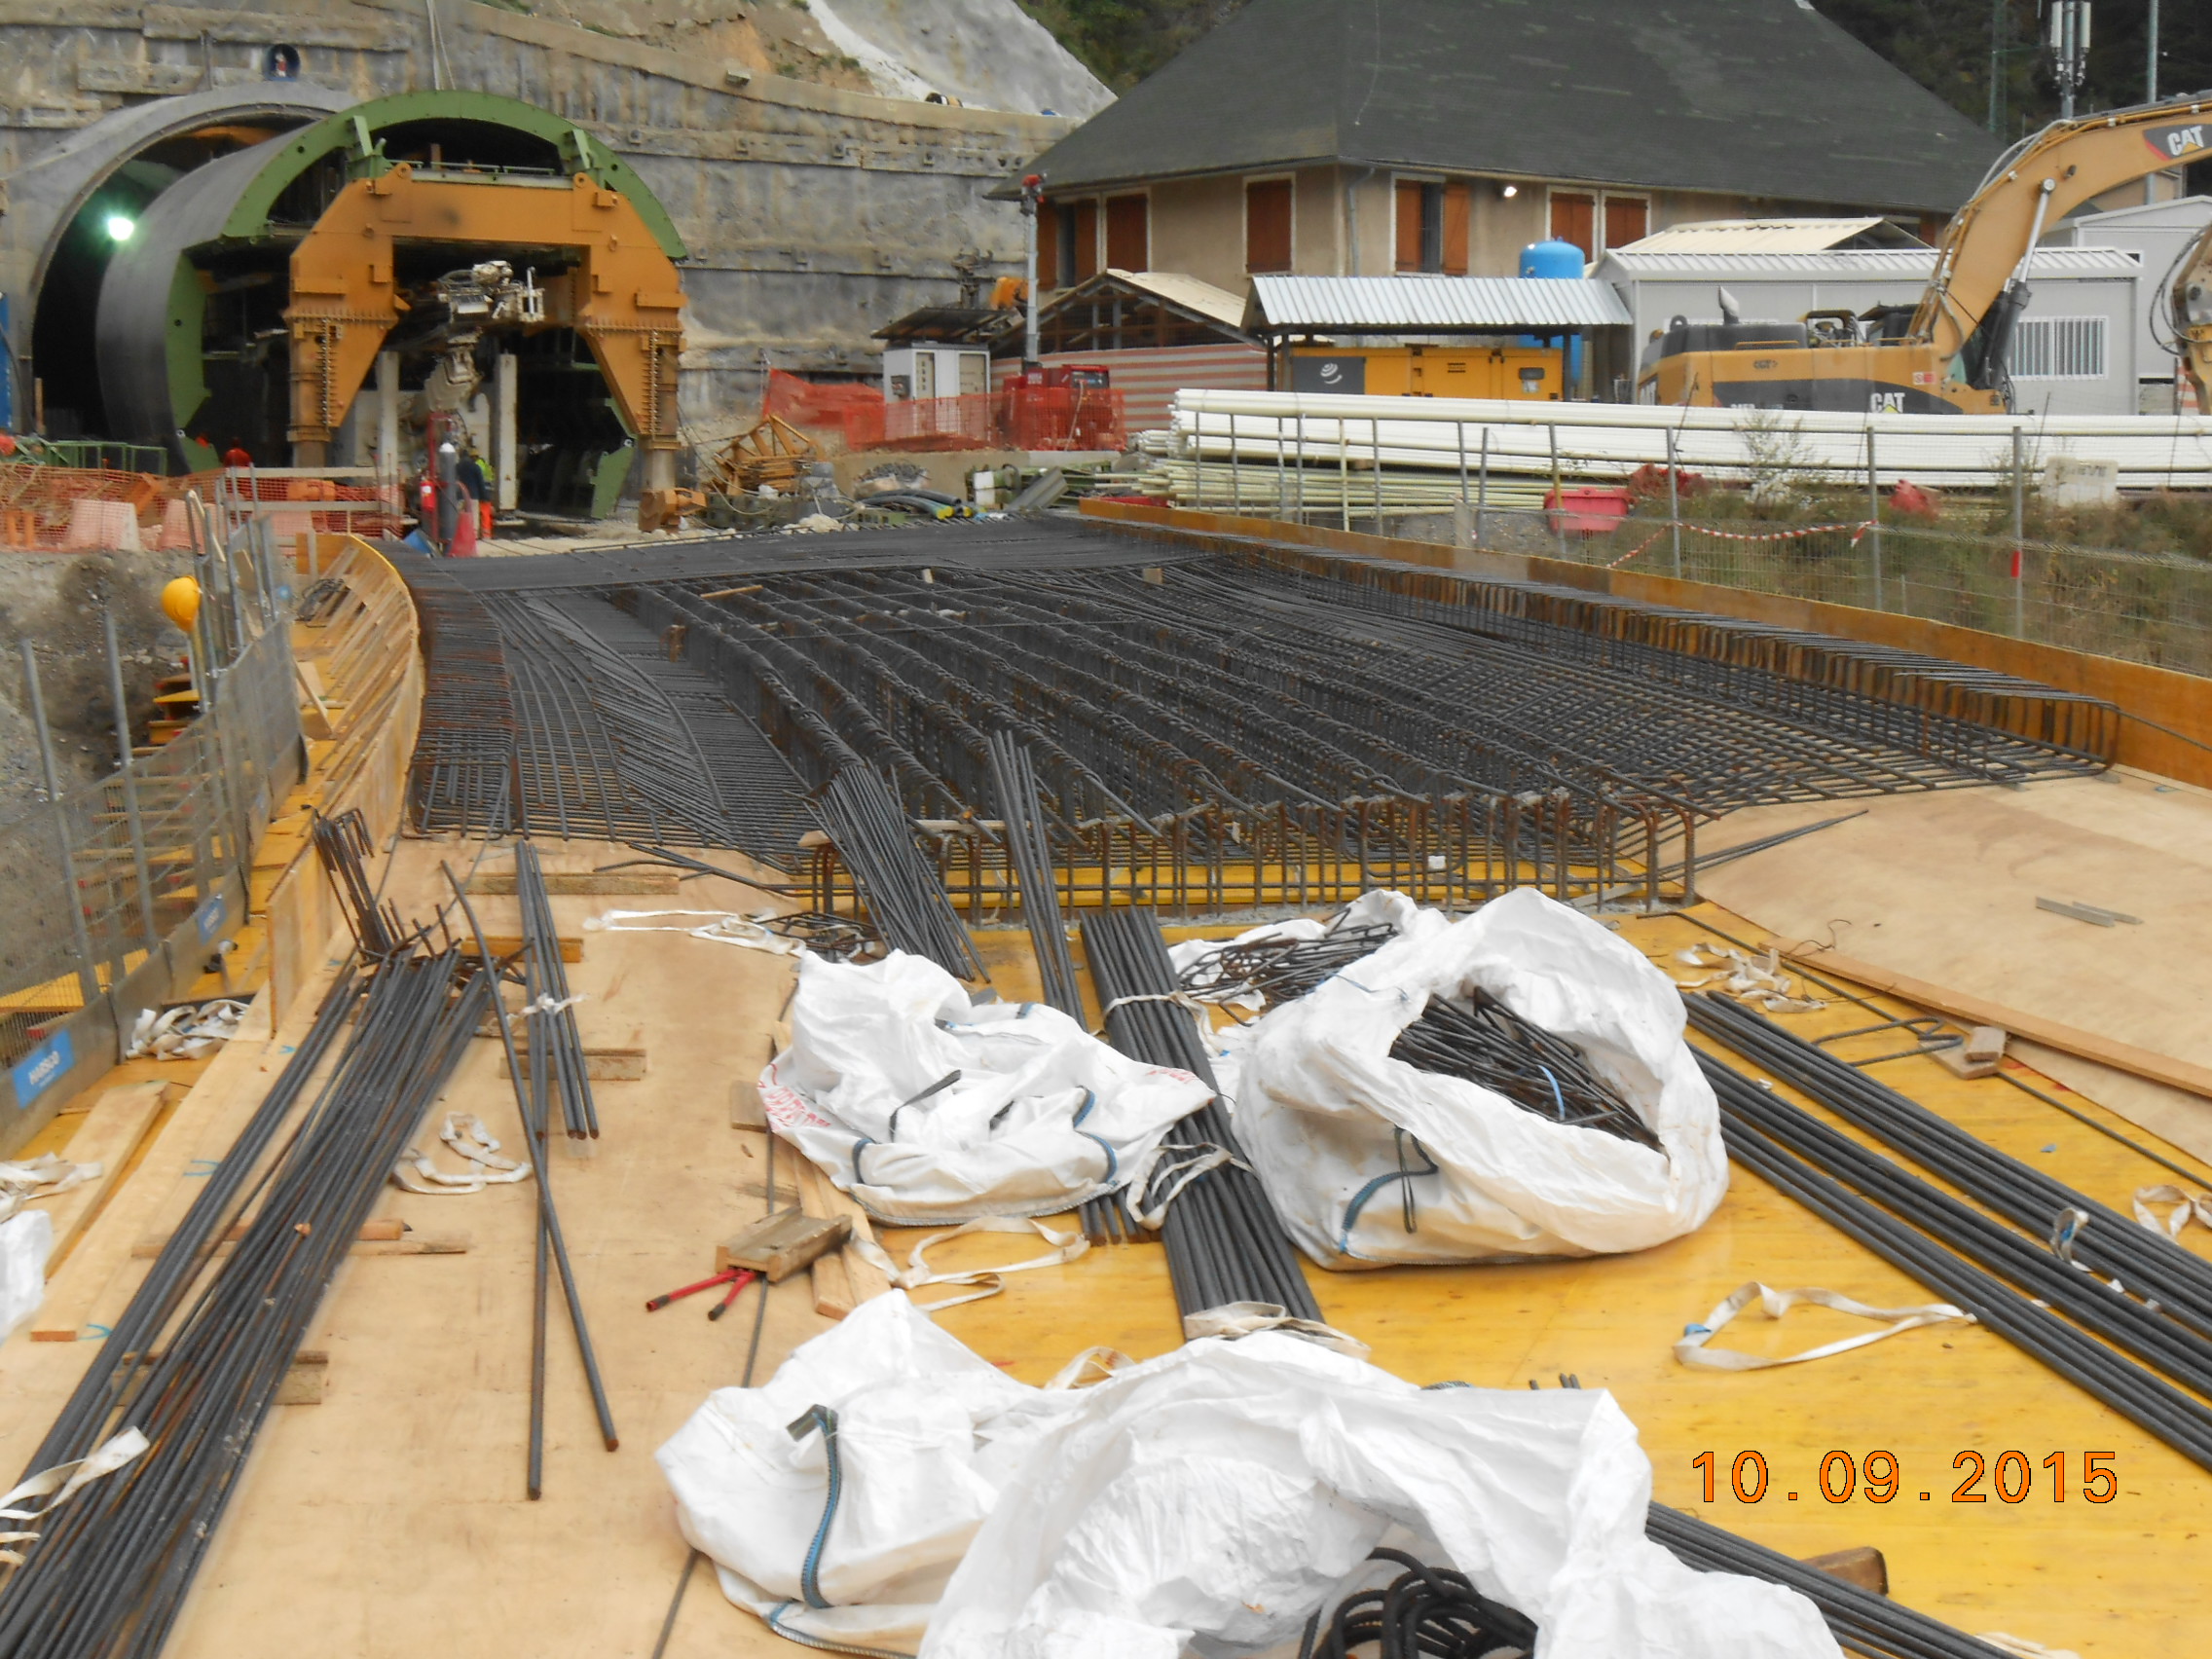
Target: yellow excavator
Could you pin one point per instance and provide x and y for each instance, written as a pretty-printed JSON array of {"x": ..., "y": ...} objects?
[{"x": 1948, "y": 355}]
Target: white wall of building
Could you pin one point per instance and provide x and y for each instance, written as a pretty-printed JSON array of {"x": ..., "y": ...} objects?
[{"x": 2082, "y": 317}]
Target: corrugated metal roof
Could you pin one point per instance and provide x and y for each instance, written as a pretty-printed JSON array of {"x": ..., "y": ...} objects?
[
  {"x": 1428, "y": 305},
  {"x": 1768, "y": 236},
  {"x": 1843, "y": 263}
]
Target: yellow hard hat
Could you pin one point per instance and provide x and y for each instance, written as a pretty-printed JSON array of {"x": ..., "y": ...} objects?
[{"x": 180, "y": 602}]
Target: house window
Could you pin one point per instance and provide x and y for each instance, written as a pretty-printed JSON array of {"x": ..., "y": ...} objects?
[
  {"x": 1267, "y": 225},
  {"x": 1628, "y": 219},
  {"x": 1432, "y": 227},
  {"x": 2059, "y": 348},
  {"x": 1574, "y": 219},
  {"x": 1129, "y": 233}
]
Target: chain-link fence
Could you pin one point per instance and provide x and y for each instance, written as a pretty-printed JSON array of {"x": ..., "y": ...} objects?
[
  {"x": 118, "y": 889},
  {"x": 2022, "y": 539}
]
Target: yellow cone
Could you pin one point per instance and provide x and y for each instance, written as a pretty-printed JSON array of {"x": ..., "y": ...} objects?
[{"x": 180, "y": 602}]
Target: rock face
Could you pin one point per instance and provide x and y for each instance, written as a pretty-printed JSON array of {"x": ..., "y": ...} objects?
[
  {"x": 820, "y": 191},
  {"x": 55, "y": 601}
]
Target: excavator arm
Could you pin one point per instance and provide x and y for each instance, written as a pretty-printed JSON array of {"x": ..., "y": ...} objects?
[
  {"x": 2034, "y": 185},
  {"x": 2192, "y": 317}
]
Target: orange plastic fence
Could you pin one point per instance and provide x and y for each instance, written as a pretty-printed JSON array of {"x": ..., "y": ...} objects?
[
  {"x": 1027, "y": 417},
  {"x": 63, "y": 510}
]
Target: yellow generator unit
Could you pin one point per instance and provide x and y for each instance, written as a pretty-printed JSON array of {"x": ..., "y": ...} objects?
[{"x": 1533, "y": 372}]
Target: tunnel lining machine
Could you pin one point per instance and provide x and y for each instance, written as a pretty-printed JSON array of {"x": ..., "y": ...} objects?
[{"x": 260, "y": 290}]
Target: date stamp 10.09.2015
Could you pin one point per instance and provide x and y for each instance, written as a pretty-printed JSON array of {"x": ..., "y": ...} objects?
[{"x": 1877, "y": 1476}]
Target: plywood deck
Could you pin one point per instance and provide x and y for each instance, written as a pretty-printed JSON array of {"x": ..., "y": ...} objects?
[{"x": 393, "y": 1514}]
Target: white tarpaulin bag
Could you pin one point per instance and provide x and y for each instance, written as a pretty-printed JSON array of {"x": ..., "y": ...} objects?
[
  {"x": 26, "y": 1240},
  {"x": 1340, "y": 1132},
  {"x": 930, "y": 1108},
  {"x": 1214, "y": 1497}
]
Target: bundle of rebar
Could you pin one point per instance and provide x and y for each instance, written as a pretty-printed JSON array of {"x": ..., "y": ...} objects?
[
  {"x": 556, "y": 1048},
  {"x": 904, "y": 898},
  {"x": 1283, "y": 970},
  {"x": 1425, "y": 1612},
  {"x": 2174, "y": 1282},
  {"x": 1224, "y": 1243},
  {"x": 1488, "y": 1044},
  {"x": 341, "y": 844},
  {"x": 1030, "y": 853},
  {"x": 1939, "y": 1241},
  {"x": 108, "y": 1575},
  {"x": 1861, "y": 1621},
  {"x": 533, "y": 1104}
]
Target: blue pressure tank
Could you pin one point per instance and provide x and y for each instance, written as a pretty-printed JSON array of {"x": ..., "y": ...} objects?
[
  {"x": 1556, "y": 259},
  {"x": 1553, "y": 258}
]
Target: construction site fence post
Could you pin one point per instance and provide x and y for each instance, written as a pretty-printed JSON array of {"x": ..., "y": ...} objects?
[
  {"x": 1481, "y": 488},
  {"x": 87, "y": 978},
  {"x": 126, "y": 771},
  {"x": 2020, "y": 533},
  {"x": 1874, "y": 517},
  {"x": 1675, "y": 500}
]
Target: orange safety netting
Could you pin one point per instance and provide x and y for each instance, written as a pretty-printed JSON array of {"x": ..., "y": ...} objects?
[{"x": 1025, "y": 417}]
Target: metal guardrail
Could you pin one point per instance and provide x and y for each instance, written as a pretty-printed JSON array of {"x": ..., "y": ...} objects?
[{"x": 119, "y": 889}]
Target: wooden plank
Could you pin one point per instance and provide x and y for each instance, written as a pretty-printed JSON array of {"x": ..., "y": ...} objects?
[
  {"x": 109, "y": 1136},
  {"x": 603, "y": 1063},
  {"x": 1981, "y": 1010},
  {"x": 582, "y": 883},
  {"x": 854, "y": 1280},
  {"x": 511, "y": 944},
  {"x": 779, "y": 1246}
]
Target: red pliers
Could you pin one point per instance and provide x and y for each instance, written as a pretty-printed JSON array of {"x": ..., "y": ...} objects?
[{"x": 737, "y": 1278}]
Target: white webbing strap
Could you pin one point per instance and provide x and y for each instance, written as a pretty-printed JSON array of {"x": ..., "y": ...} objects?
[
  {"x": 1104, "y": 1360},
  {"x": 1177, "y": 1175},
  {"x": 58, "y": 1485},
  {"x": 917, "y": 1272},
  {"x": 1231, "y": 1320},
  {"x": 2186, "y": 1209},
  {"x": 722, "y": 927},
  {"x": 1774, "y": 1304},
  {"x": 466, "y": 1134}
]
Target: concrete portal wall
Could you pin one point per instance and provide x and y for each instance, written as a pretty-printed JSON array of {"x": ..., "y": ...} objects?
[{"x": 812, "y": 214}]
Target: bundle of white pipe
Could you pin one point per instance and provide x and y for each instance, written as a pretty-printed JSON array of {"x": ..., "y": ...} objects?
[{"x": 1610, "y": 440}]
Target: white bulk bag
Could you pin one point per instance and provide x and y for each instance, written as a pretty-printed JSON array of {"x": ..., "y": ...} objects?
[
  {"x": 1042, "y": 1117},
  {"x": 26, "y": 1240},
  {"x": 1212, "y": 1497},
  {"x": 1318, "y": 1102}
]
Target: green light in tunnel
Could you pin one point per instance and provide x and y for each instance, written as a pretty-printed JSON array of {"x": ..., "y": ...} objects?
[{"x": 120, "y": 226}]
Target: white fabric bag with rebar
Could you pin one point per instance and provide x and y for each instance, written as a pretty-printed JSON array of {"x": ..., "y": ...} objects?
[
  {"x": 932, "y": 1108},
  {"x": 890, "y": 1491},
  {"x": 1370, "y": 1160}
]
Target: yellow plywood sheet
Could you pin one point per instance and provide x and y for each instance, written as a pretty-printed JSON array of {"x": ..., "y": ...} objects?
[
  {"x": 2109, "y": 1578},
  {"x": 396, "y": 1507}
]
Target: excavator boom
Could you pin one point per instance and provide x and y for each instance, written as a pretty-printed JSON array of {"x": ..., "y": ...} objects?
[
  {"x": 2192, "y": 300},
  {"x": 2036, "y": 184},
  {"x": 1950, "y": 357}
]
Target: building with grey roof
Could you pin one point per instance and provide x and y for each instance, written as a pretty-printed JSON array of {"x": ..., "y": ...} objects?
[{"x": 1371, "y": 137}]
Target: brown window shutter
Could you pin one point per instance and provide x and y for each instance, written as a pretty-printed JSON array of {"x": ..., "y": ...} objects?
[
  {"x": 1456, "y": 201},
  {"x": 1409, "y": 227},
  {"x": 1048, "y": 246},
  {"x": 1129, "y": 233},
  {"x": 1628, "y": 220},
  {"x": 1574, "y": 220},
  {"x": 1085, "y": 242},
  {"x": 1266, "y": 226}
]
